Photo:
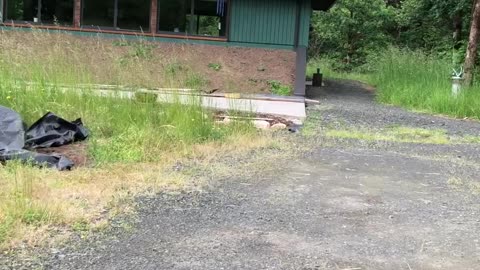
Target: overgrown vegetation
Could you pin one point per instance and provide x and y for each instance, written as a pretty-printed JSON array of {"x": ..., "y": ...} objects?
[
  {"x": 280, "y": 89},
  {"x": 133, "y": 145},
  {"x": 416, "y": 81},
  {"x": 402, "y": 47}
]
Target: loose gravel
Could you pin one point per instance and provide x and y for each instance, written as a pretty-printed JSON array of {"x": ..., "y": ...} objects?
[{"x": 330, "y": 203}]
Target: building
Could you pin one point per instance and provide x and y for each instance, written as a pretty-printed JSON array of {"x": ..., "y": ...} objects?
[{"x": 274, "y": 24}]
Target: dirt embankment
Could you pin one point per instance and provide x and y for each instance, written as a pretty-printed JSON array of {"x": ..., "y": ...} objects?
[{"x": 146, "y": 64}]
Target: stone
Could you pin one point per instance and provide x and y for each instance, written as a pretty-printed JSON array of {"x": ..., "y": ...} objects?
[
  {"x": 279, "y": 126},
  {"x": 261, "y": 124}
]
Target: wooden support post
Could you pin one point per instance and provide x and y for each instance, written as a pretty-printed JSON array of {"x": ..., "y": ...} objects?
[
  {"x": 154, "y": 16},
  {"x": 77, "y": 13}
]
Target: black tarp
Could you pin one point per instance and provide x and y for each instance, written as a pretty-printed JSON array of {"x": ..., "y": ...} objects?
[
  {"x": 53, "y": 131},
  {"x": 48, "y": 131}
]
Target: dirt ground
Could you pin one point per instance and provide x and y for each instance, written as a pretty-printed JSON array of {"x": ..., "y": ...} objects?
[
  {"x": 77, "y": 153},
  {"x": 313, "y": 202}
]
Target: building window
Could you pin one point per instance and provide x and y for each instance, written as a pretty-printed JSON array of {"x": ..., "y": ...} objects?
[
  {"x": 57, "y": 12},
  {"x": 1, "y": 11},
  {"x": 193, "y": 17},
  {"x": 98, "y": 13},
  {"x": 117, "y": 14}
]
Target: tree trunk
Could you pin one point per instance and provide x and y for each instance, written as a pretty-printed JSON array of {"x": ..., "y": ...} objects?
[{"x": 472, "y": 45}]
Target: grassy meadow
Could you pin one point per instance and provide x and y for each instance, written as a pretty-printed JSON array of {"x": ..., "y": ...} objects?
[
  {"x": 133, "y": 145},
  {"x": 413, "y": 80}
]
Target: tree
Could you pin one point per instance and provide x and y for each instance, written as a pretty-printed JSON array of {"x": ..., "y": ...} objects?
[
  {"x": 472, "y": 48},
  {"x": 351, "y": 30},
  {"x": 429, "y": 24}
]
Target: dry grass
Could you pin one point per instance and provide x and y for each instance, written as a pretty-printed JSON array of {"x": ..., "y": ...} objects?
[
  {"x": 40, "y": 207},
  {"x": 471, "y": 185},
  {"x": 401, "y": 134}
]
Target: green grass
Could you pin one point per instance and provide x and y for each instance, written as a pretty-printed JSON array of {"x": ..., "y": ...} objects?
[
  {"x": 401, "y": 134},
  {"x": 420, "y": 82},
  {"x": 395, "y": 134},
  {"x": 279, "y": 89},
  {"x": 138, "y": 130},
  {"x": 327, "y": 65},
  {"x": 215, "y": 66},
  {"x": 413, "y": 80}
]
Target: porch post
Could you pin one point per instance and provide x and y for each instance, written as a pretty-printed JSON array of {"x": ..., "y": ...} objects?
[
  {"x": 301, "y": 52},
  {"x": 300, "y": 71},
  {"x": 77, "y": 13},
  {"x": 154, "y": 16}
]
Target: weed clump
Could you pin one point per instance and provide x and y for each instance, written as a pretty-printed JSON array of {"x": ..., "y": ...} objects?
[{"x": 280, "y": 89}]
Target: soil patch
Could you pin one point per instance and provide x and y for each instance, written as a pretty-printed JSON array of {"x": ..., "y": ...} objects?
[{"x": 77, "y": 152}]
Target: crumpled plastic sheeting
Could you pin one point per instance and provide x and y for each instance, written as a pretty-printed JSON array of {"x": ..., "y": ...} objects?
[
  {"x": 53, "y": 131},
  {"x": 11, "y": 130},
  {"x": 48, "y": 131}
]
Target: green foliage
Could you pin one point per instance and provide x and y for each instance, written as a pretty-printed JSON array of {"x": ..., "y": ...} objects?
[
  {"x": 208, "y": 26},
  {"x": 280, "y": 89},
  {"x": 81, "y": 226},
  {"x": 215, "y": 66},
  {"x": 354, "y": 30},
  {"x": 417, "y": 81},
  {"x": 351, "y": 30},
  {"x": 140, "y": 49},
  {"x": 123, "y": 130},
  {"x": 173, "y": 69},
  {"x": 195, "y": 81},
  {"x": 137, "y": 50}
]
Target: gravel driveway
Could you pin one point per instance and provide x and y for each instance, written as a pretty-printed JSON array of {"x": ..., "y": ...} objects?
[{"x": 343, "y": 204}]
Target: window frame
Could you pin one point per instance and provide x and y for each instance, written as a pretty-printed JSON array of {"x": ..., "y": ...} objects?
[
  {"x": 77, "y": 25},
  {"x": 115, "y": 20},
  {"x": 192, "y": 12},
  {"x": 6, "y": 21}
]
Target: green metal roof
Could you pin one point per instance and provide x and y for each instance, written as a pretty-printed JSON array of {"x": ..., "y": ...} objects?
[{"x": 322, "y": 4}]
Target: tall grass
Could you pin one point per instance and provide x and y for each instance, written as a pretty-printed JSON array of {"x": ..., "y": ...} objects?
[
  {"x": 421, "y": 82},
  {"x": 414, "y": 80},
  {"x": 132, "y": 141},
  {"x": 138, "y": 130}
]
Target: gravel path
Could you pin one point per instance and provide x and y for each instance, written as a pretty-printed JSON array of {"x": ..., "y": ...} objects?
[{"x": 346, "y": 204}]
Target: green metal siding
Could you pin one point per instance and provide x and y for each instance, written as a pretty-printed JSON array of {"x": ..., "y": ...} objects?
[
  {"x": 269, "y": 21},
  {"x": 305, "y": 16},
  {"x": 265, "y": 22}
]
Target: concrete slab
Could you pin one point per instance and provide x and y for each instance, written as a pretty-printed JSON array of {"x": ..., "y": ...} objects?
[{"x": 288, "y": 107}]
